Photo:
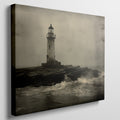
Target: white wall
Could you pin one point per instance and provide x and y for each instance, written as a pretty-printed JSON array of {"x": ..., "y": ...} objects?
[{"x": 109, "y": 109}]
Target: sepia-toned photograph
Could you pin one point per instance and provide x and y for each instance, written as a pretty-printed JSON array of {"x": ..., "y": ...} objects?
[{"x": 57, "y": 59}]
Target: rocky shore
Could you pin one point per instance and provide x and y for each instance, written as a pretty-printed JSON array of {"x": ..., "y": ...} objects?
[{"x": 45, "y": 76}]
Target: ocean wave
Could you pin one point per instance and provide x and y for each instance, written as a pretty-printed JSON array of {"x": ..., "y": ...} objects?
[{"x": 82, "y": 86}]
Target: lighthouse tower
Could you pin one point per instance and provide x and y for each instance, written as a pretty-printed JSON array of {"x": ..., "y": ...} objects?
[
  {"x": 51, "y": 45},
  {"x": 51, "y": 61}
]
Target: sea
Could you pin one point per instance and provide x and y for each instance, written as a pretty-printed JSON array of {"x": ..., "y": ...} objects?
[{"x": 34, "y": 99}]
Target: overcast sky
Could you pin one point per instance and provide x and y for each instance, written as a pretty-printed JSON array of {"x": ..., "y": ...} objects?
[{"x": 79, "y": 37}]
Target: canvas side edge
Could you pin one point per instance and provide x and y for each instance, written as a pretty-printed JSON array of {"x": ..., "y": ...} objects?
[{"x": 13, "y": 91}]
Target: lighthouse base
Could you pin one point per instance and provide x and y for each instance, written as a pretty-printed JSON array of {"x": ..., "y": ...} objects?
[{"x": 52, "y": 64}]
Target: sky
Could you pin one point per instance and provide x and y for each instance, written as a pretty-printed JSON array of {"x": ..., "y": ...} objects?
[{"x": 79, "y": 37}]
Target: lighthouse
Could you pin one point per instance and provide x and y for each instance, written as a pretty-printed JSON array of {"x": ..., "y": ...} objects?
[
  {"x": 51, "y": 45},
  {"x": 50, "y": 57}
]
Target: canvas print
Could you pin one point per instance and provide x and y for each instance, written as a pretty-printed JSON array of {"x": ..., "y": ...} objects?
[{"x": 57, "y": 59}]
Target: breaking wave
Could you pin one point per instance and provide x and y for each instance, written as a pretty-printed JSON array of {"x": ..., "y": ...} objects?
[{"x": 81, "y": 86}]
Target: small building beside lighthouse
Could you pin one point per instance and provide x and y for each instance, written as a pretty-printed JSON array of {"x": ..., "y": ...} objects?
[{"x": 51, "y": 61}]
